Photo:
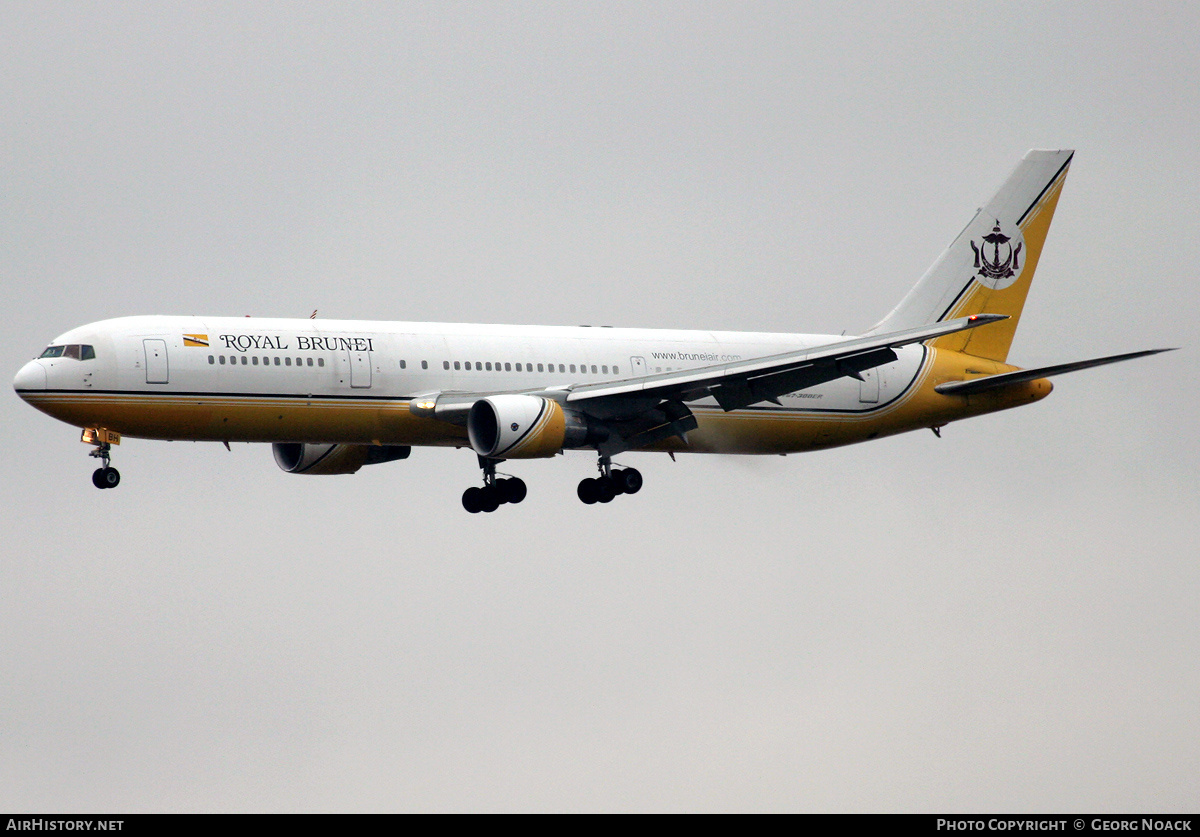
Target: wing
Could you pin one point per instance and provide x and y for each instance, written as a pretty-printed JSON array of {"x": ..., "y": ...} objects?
[
  {"x": 641, "y": 411},
  {"x": 745, "y": 382}
]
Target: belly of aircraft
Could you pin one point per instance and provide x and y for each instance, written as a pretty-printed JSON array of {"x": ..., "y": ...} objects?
[{"x": 389, "y": 422}]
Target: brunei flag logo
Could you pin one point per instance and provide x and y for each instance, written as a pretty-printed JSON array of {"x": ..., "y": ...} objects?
[{"x": 196, "y": 340}]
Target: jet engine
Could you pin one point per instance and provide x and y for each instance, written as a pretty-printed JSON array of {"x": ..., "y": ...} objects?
[
  {"x": 301, "y": 458},
  {"x": 526, "y": 427}
]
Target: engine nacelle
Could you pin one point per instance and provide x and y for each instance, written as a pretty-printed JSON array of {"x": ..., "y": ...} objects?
[
  {"x": 300, "y": 458},
  {"x": 525, "y": 427}
]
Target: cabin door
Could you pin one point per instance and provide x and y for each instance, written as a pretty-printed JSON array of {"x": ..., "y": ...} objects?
[
  {"x": 156, "y": 361},
  {"x": 360, "y": 370}
]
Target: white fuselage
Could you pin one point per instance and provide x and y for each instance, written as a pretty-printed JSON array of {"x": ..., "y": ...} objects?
[{"x": 281, "y": 380}]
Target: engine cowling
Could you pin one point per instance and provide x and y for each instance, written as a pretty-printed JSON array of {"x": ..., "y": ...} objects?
[
  {"x": 302, "y": 458},
  {"x": 524, "y": 427}
]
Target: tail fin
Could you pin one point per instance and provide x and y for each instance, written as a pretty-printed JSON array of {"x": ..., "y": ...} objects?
[{"x": 989, "y": 267}]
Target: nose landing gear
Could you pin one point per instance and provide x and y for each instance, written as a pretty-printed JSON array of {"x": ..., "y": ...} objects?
[{"x": 105, "y": 476}]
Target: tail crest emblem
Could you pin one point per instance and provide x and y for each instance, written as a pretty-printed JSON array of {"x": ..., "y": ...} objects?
[{"x": 1004, "y": 264}]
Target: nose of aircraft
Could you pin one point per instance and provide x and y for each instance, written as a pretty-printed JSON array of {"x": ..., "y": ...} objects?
[{"x": 31, "y": 377}]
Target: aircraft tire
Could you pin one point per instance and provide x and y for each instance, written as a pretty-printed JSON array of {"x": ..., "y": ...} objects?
[
  {"x": 489, "y": 499},
  {"x": 470, "y": 500},
  {"x": 605, "y": 492},
  {"x": 110, "y": 477},
  {"x": 98, "y": 478},
  {"x": 587, "y": 491},
  {"x": 514, "y": 490},
  {"x": 630, "y": 480}
]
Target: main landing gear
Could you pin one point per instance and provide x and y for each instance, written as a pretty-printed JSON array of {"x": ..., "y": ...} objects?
[
  {"x": 105, "y": 476},
  {"x": 610, "y": 483},
  {"x": 495, "y": 491}
]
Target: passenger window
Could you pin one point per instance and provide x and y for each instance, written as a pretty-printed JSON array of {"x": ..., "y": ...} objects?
[
  {"x": 446, "y": 364},
  {"x": 244, "y": 361},
  {"x": 572, "y": 368},
  {"x": 424, "y": 364},
  {"x": 222, "y": 360},
  {"x": 478, "y": 366},
  {"x": 256, "y": 360},
  {"x": 310, "y": 361},
  {"x": 403, "y": 365},
  {"x": 299, "y": 361},
  {"x": 489, "y": 366},
  {"x": 276, "y": 361},
  {"x": 562, "y": 368},
  {"x": 604, "y": 369},
  {"x": 211, "y": 360},
  {"x": 508, "y": 367},
  {"x": 593, "y": 369},
  {"x": 287, "y": 361},
  {"x": 455, "y": 365},
  {"x": 616, "y": 371},
  {"x": 320, "y": 361}
]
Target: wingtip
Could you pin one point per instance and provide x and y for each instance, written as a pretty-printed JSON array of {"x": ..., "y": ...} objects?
[{"x": 1049, "y": 152}]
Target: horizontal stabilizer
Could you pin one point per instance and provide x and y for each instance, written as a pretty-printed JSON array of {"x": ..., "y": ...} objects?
[{"x": 1023, "y": 375}]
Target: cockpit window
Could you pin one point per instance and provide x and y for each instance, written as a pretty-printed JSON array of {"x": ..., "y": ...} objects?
[{"x": 76, "y": 351}]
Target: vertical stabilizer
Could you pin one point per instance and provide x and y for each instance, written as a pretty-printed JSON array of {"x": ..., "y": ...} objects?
[{"x": 989, "y": 267}]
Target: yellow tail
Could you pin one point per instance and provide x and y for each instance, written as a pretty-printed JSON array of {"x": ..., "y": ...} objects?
[{"x": 988, "y": 269}]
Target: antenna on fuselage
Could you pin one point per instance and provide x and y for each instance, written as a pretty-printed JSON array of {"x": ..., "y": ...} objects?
[{"x": 313, "y": 315}]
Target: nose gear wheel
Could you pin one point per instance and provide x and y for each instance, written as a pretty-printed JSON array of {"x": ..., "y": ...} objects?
[{"x": 105, "y": 476}]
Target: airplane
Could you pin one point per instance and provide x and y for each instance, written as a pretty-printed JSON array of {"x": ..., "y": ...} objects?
[{"x": 333, "y": 395}]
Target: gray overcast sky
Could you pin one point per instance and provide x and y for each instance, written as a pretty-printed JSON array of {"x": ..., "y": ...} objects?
[{"x": 1005, "y": 619}]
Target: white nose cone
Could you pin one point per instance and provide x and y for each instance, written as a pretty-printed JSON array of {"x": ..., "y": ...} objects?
[{"x": 32, "y": 377}]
